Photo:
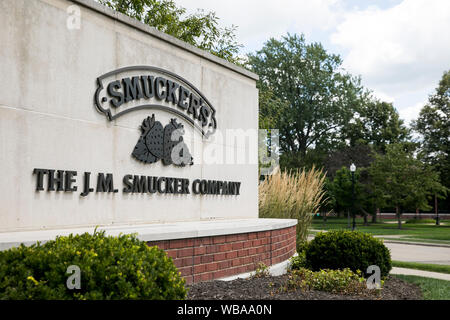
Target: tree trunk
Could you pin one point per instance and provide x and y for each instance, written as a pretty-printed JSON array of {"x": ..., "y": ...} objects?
[
  {"x": 374, "y": 216},
  {"x": 397, "y": 210},
  {"x": 365, "y": 216},
  {"x": 348, "y": 219}
]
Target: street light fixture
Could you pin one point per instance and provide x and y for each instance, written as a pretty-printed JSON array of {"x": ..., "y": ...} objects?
[
  {"x": 352, "y": 170},
  {"x": 436, "y": 211}
]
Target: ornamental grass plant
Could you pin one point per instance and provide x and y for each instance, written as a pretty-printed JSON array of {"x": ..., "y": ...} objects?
[{"x": 294, "y": 194}]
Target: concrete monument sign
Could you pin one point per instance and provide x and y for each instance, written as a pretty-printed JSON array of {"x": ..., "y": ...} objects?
[{"x": 107, "y": 122}]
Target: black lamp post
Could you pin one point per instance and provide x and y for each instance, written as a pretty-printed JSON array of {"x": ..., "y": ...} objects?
[
  {"x": 352, "y": 170},
  {"x": 436, "y": 211}
]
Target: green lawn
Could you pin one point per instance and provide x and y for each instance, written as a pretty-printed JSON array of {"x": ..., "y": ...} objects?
[
  {"x": 413, "y": 231},
  {"x": 432, "y": 289},
  {"x": 422, "y": 266}
]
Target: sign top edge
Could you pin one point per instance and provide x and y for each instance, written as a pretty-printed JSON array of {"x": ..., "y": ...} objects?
[{"x": 91, "y": 4}]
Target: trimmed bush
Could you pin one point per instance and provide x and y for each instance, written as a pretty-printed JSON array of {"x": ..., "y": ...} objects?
[
  {"x": 301, "y": 246},
  {"x": 347, "y": 249},
  {"x": 111, "y": 268}
]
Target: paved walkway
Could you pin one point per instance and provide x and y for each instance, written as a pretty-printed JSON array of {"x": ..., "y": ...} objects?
[
  {"x": 419, "y": 253},
  {"x": 420, "y": 273}
]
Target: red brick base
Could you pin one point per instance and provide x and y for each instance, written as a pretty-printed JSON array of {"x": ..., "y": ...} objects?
[{"x": 215, "y": 257}]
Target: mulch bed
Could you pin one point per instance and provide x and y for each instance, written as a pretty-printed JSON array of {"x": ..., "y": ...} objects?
[{"x": 265, "y": 288}]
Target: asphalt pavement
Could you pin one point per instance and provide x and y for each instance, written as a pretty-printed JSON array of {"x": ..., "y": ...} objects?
[{"x": 419, "y": 253}]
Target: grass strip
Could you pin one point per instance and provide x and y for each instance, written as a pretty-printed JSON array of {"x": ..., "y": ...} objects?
[
  {"x": 432, "y": 289},
  {"x": 422, "y": 266}
]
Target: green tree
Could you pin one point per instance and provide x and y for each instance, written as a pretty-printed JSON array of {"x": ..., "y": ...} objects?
[
  {"x": 200, "y": 29},
  {"x": 376, "y": 123},
  {"x": 362, "y": 203},
  {"x": 402, "y": 181},
  {"x": 341, "y": 189},
  {"x": 320, "y": 97},
  {"x": 360, "y": 154},
  {"x": 433, "y": 125},
  {"x": 271, "y": 109}
]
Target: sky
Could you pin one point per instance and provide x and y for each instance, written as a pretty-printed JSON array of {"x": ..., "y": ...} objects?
[{"x": 399, "y": 48}]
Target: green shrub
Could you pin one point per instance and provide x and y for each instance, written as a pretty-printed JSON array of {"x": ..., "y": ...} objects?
[
  {"x": 261, "y": 271},
  {"x": 111, "y": 268},
  {"x": 301, "y": 246},
  {"x": 335, "y": 281},
  {"x": 347, "y": 249},
  {"x": 299, "y": 261}
]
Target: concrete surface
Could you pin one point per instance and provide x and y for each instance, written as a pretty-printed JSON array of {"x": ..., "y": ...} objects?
[
  {"x": 417, "y": 243},
  {"x": 419, "y": 253},
  {"x": 154, "y": 232},
  {"x": 48, "y": 120},
  {"x": 163, "y": 36},
  {"x": 420, "y": 273}
]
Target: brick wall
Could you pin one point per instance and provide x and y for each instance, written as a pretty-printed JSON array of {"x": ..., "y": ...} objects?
[{"x": 210, "y": 258}]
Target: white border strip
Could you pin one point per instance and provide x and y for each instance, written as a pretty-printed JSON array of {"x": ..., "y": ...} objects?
[{"x": 154, "y": 232}]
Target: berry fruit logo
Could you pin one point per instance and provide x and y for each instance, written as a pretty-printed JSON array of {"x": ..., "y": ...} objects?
[{"x": 166, "y": 143}]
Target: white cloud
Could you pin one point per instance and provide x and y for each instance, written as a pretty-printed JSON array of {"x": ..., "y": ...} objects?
[
  {"x": 258, "y": 20},
  {"x": 400, "y": 50},
  {"x": 383, "y": 96},
  {"x": 411, "y": 113},
  {"x": 405, "y": 47}
]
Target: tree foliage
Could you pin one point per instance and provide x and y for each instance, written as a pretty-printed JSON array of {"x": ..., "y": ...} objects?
[
  {"x": 433, "y": 125},
  {"x": 402, "y": 181},
  {"x": 360, "y": 154},
  {"x": 271, "y": 109},
  {"x": 320, "y": 97},
  {"x": 200, "y": 29},
  {"x": 376, "y": 123},
  {"x": 341, "y": 188}
]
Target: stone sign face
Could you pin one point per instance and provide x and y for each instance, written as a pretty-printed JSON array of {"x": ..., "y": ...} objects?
[{"x": 113, "y": 123}]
